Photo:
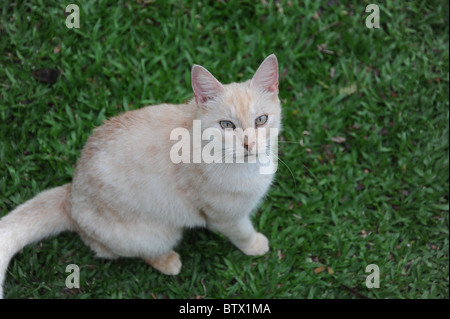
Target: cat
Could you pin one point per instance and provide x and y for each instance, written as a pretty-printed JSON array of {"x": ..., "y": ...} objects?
[{"x": 129, "y": 199}]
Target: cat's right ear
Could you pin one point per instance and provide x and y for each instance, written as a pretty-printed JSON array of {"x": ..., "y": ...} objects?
[
  {"x": 266, "y": 77},
  {"x": 204, "y": 84}
]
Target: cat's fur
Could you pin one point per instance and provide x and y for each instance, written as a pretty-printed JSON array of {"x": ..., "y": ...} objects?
[{"x": 127, "y": 198}]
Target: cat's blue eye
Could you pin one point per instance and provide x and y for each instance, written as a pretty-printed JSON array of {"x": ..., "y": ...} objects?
[
  {"x": 261, "y": 120},
  {"x": 227, "y": 124}
]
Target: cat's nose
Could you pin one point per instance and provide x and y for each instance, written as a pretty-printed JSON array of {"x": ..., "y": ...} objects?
[{"x": 249, "y": 146}]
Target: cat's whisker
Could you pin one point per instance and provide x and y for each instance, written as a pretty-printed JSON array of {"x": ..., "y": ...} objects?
[
  {"x": 227, "y": 153},
  {"x": 284, "y": 163}
]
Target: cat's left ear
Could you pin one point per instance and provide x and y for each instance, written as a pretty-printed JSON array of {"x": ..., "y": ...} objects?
[{"x": 266, "y": 77}]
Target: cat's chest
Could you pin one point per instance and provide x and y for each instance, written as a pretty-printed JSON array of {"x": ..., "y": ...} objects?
[{"x": 233, "y": 190}]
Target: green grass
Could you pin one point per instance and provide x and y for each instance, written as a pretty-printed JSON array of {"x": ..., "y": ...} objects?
[{"x": 381, "y": 197}]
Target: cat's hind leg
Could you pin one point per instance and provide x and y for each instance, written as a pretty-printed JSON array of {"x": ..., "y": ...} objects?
[
  {"x": 100, "y": 250},
  {"x": 168, "y": 263}
]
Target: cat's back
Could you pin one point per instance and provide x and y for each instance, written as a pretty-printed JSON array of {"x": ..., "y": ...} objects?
[
  {"x": 153, "y": 120},
  {"x": 137, "y": 137},
  {"x": 148, "y": 125}
]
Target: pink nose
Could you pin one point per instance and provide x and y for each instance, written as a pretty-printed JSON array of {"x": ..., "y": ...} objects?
[{"x": 249, "y": 146}]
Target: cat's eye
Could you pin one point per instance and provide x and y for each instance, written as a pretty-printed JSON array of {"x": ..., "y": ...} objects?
[
  {"x": 261, "y": 120},
  {"x": 227, "y": 124}
]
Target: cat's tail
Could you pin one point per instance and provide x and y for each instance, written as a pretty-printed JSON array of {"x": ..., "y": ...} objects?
[{"x": 42, "y": 216}]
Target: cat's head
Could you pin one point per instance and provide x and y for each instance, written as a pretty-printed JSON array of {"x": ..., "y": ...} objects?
[{"x": 251, "y": 106}]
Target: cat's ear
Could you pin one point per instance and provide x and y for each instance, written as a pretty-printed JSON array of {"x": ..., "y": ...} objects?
[
  {"x": 204, "y": 84},
  {"x": 266, "y": 77}
]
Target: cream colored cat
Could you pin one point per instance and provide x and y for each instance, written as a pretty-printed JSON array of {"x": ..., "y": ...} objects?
[{"x": 129, "y": 199}]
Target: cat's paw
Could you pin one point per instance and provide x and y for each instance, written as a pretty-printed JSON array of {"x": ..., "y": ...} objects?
[
  {"x": 259, "y": 246},
  {"x": 168, "y": 264}
]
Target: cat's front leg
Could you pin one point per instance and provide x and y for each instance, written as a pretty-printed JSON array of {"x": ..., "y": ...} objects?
[
  {"x": 242, "y": 235},
  {"x": 259, "y": 245}
]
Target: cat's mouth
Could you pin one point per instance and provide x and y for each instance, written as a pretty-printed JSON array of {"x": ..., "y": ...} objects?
[
  {"x": 247, "y": 154},
  {"x": 241, "y": 155},
  {"x": 250, "y": 155}
]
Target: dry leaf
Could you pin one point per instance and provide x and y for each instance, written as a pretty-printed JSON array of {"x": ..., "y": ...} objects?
[
  {"x": 323, "y": 49},
  {"x": 330, "y": 270},
  {"x": 363, "y": 234},
  {"x": 348, "y": 90},
  {"x": 319, "y": 269},
  {"x": 338, "y": 139}
]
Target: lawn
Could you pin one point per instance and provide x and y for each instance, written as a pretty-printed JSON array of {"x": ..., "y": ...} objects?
[{"x": 364, "y": 177}]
